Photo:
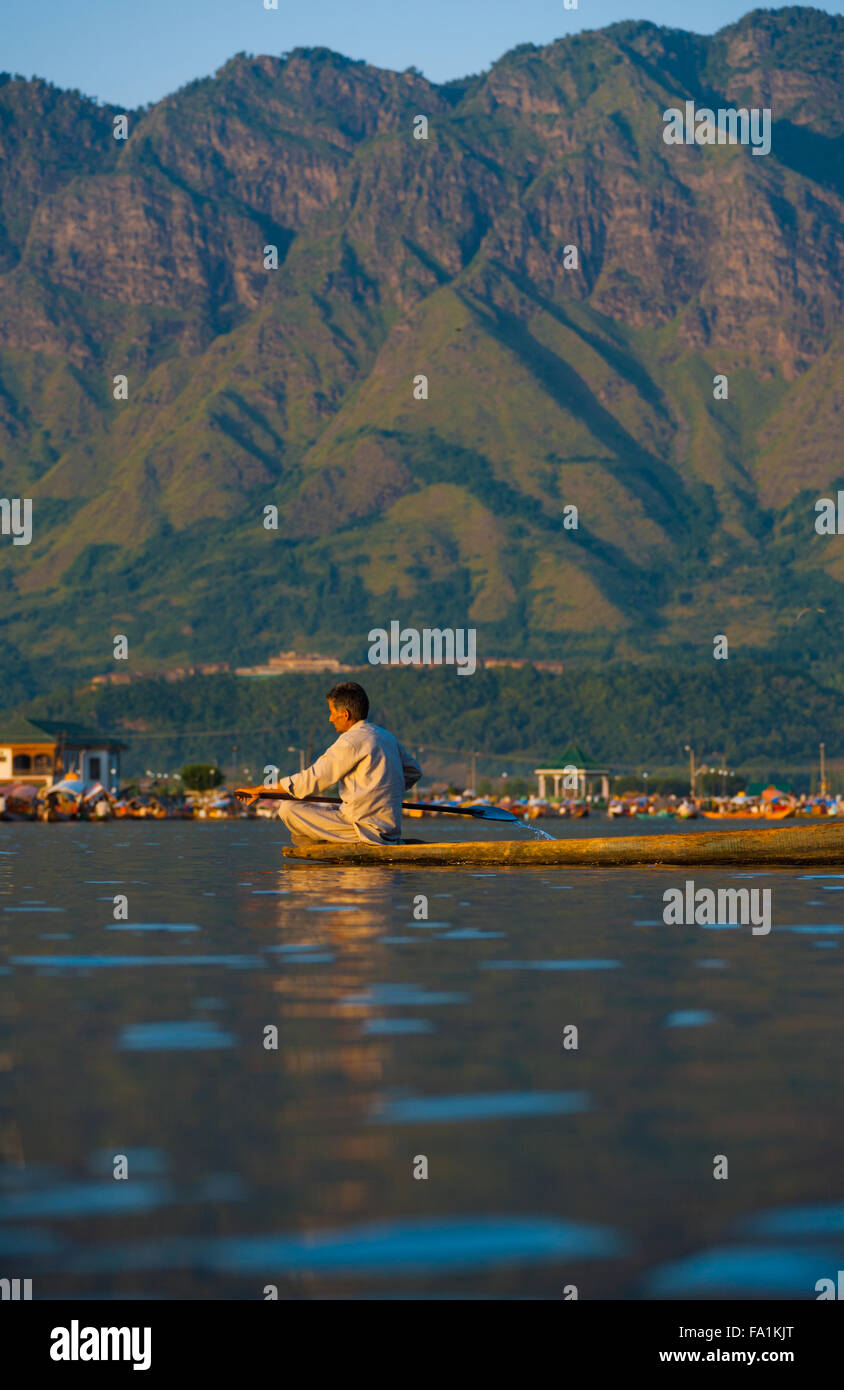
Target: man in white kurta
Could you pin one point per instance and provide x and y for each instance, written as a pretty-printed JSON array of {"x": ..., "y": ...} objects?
[{"x": 372, "y": 769}]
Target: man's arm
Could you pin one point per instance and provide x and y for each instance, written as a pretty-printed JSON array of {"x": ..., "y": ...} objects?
[
  {"x": 410, "y": 767},
  {"x": 336, "y": 762}
]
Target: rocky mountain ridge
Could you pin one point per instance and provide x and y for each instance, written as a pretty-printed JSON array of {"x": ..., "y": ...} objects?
[{"x": 549, "y": 384}]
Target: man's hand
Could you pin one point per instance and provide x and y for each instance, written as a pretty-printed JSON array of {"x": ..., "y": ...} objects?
[
  {"x": 252, "y": 794},
  {"x": 249, "y": 794}
]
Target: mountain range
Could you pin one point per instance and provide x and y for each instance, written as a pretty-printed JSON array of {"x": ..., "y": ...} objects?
[{"x": 552, "y": 380}]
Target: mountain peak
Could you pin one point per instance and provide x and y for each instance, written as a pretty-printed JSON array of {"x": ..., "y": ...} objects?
[{"x": 288, "y": 361}]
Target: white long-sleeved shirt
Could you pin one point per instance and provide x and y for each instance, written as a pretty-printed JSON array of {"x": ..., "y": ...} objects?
[{"x": 373, "y": 771}]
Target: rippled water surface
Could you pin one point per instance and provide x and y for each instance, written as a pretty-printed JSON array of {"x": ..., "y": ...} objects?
[{"x": 402, "y": 1039}]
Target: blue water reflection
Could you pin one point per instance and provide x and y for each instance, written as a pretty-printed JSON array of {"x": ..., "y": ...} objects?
[
  {"x": 492, "y": 1106},
  {"x": 172, "y": 1037},
  {"x": 749, "y": 1271}
]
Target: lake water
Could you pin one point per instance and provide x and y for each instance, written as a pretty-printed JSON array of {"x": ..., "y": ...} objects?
[{"x": 399, "y": 1040}]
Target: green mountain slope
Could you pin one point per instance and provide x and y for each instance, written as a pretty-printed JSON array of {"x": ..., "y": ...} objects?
[{"x": 548, "y": 384}]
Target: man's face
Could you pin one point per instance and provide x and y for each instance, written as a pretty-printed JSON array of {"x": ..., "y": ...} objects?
[{"x": 340, "y": 717}]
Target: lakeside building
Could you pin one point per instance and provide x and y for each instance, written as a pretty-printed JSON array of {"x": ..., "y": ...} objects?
[
  {"x": 42, "y": 753},
  {"x": 572, "y": 760},
  {"x": 169, "y": 673},
  {"x": 489, "y": 663},
  {"x": 290, "y": 663}
]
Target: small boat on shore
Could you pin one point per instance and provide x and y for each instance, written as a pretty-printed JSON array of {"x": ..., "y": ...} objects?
[
  {"x": 17, "y": 801},
  {"x": 793, "y": 846}
]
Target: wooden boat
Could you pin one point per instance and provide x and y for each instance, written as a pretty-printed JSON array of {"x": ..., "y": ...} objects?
[
  {"x": 796, "y": 845},
  {"x": 18, "y": 801}
]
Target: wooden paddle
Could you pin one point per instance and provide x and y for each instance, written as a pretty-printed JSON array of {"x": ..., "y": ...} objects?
[{"x": 252, "y": 794}]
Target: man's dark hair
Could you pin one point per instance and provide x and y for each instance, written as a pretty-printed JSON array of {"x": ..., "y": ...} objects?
[{"x": 350, "y": 696}]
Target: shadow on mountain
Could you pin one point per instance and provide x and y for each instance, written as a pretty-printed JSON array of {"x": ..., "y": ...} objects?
[{"x": 812, "y": 156}]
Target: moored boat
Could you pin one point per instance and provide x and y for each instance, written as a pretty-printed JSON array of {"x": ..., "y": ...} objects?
[{"x": 18, "y": 801}]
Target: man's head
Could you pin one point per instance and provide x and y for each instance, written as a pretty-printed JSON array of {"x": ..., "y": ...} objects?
[{"x": 348, "y": 703}]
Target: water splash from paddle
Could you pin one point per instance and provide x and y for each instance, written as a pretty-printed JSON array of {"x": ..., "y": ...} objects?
[{"x": 535, "y": 830}]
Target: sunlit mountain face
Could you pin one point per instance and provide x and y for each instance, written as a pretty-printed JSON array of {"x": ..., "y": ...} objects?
[{"x": 290, "y": 362}]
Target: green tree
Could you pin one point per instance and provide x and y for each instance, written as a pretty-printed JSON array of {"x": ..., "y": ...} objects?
[{"x": 201, "y": 777}]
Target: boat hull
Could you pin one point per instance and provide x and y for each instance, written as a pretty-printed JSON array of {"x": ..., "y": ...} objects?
[{"x": 798, "y": 845}]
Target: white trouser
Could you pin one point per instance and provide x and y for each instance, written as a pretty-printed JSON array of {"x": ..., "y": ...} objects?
[{"x": 308, "y": 822}]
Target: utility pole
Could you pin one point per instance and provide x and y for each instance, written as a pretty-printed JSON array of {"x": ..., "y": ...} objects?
[
  {"x": 823, "y": 769},
  {"x": 691, "y": 754}
]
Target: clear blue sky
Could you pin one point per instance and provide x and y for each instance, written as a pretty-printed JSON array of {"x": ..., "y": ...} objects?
[{"x": 129, "y": 52}]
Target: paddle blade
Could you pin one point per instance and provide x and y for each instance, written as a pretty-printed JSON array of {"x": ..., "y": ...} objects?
[{"x": 480, "y": 812}]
